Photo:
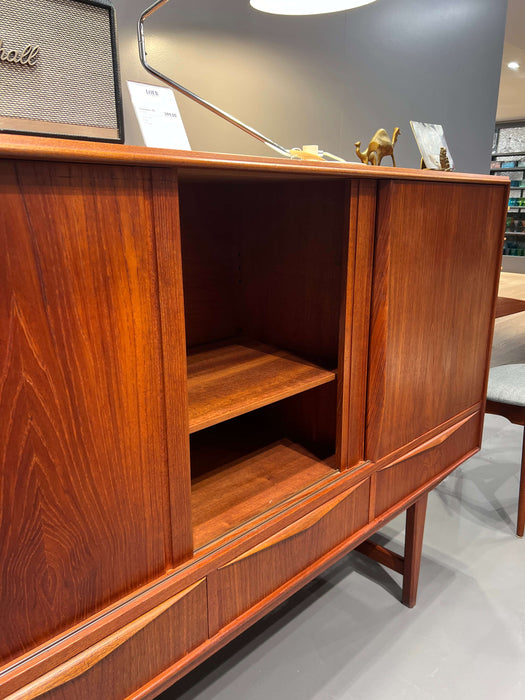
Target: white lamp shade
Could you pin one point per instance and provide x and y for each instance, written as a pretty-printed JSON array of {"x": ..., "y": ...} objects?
[{"x": 306, "y": 7}]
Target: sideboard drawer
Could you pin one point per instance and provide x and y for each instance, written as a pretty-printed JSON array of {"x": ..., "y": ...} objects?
[
  {"x": 397, "y": 480},
  {"x": 129, "y": 658},
  {"x": 259, "y": 572}
]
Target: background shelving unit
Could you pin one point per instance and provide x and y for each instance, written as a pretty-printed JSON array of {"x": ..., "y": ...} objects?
[{"x": 508, "y": 160}]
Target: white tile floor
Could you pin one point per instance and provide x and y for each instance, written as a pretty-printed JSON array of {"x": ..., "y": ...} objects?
[{"x": 346, "y": 636}]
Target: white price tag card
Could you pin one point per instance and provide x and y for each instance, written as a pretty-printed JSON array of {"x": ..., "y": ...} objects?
[{"x": 158, "y": 116}]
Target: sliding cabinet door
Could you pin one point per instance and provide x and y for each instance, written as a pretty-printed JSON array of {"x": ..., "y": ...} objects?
[
  {"x": 85, "y": 470},
  {"x": 435, "y": 274}
]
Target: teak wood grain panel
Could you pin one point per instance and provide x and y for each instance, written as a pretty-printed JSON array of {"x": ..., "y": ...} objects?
[
  {"x": 354, "y": 325},
  {"x": 293, "y": 266},
  {"x": 259, "y": 572},
  {"x": 435, "y": 265},
  {"x": 168, "y": 273},
  {"x": 209, "y": 223},
  {"x": 84, "y": 504},
  {"x": 395, "y": 482},
  {"x": 127, "y": 660}
]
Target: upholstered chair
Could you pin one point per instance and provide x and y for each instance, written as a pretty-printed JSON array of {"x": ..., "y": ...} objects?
[{"x": 506, "y": 397}]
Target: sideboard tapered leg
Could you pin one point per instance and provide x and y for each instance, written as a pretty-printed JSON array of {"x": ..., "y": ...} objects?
[{"x": 415, "y": 525}]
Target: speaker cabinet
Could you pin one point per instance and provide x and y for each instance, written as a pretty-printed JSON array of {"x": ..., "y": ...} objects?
[{"x": 59, "y": 70}]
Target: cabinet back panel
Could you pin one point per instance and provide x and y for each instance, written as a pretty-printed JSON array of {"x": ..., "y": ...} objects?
[
  {"x": 210, "y": 228},
  {"x": 84, "y": 512},
  {"x": 310, "y": 419},
  {"x": 265, "y": 260},
  {"x": 292, "y": 261}
]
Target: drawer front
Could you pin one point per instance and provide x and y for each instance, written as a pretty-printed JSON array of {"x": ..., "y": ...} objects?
[
  {"x": 132, "y": 656},
  {"x": 262, "y": 570},
  {"x": 398, "y": 480}
]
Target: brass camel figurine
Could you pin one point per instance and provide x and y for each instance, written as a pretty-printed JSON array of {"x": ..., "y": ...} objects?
[{"x": 379, "y": 147}]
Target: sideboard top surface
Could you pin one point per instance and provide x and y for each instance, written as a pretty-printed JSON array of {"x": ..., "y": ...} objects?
[{"x": 195, "y": 163}]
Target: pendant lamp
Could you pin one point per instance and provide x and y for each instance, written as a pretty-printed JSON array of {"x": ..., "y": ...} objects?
[
  {"x": 306, "y": 7},
  {"x": 294, "y": 7}
]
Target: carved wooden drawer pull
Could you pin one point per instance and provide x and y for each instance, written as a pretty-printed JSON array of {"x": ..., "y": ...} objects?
[
  {"x": 79, "y": 664},
  {"x": 296, "y": 528},
  {"x": 437, "y": 440}
]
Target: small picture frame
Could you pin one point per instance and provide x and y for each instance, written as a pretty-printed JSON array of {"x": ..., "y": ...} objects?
[{"x": 430, "y": 139}]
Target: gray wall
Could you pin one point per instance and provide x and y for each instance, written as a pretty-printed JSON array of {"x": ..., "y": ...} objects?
[{"x": 330, "y": 79}]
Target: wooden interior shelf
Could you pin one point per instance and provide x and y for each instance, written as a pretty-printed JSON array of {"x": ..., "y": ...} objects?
[
  {"x": 228, "y": 380},
  {"x": 238, "y": 491}
]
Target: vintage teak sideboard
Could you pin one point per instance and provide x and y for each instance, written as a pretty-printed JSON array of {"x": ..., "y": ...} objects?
[{"x": 218, "y": 375}]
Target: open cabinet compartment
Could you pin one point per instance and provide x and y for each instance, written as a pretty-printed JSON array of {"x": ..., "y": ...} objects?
[{"x": 263, "y": 274}]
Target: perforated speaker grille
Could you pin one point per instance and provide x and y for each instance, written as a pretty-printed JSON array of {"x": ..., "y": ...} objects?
[{"x": 73, "y": 80}]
